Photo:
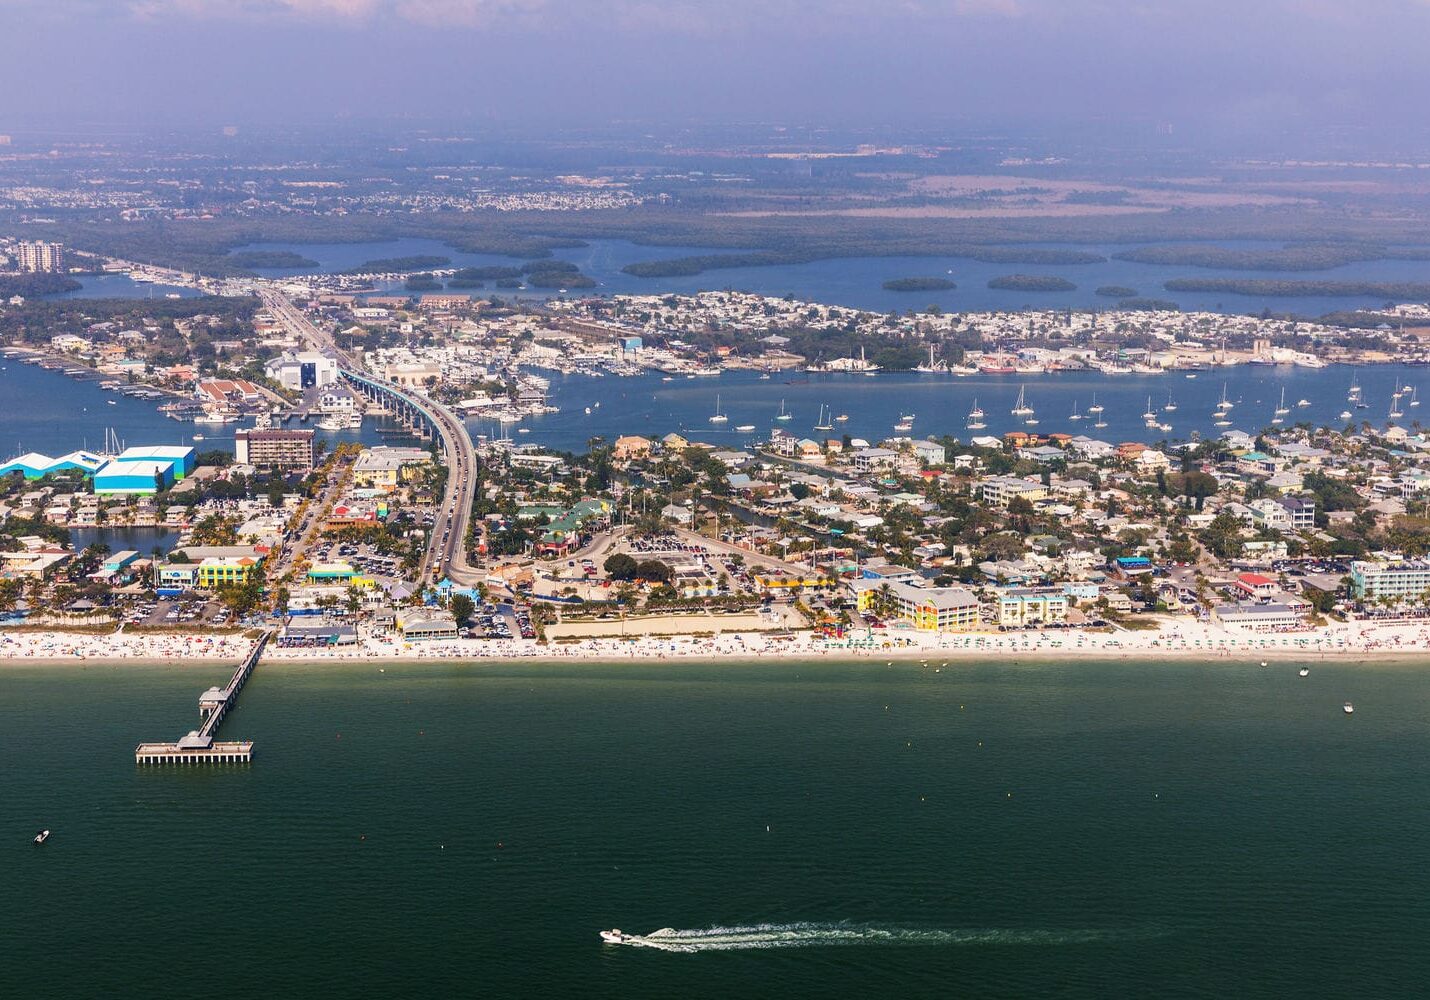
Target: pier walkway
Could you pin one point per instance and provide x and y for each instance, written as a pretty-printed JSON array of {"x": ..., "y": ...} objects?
[{"x": 199, "y": 746}]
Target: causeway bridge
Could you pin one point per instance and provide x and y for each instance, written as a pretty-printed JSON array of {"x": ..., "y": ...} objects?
[{"x": 200, "y": 745}]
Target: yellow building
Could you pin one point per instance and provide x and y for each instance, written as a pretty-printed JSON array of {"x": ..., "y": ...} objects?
[
  {"x": 928, "y": 609},
  {"x": 224, "y": 571}
]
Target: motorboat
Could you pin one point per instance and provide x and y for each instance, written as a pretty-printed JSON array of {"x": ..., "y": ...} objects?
[
  {"x": 42, "y": 836},
  {"x": 745, "y": 428},
  {"x": 1348, "y": 708},
  {"x": 843, "y": 418},
  {"x": 1304, "y": 671},
  {"x": 1346, "y": 414},
  {"x": 614, "y": 936}
]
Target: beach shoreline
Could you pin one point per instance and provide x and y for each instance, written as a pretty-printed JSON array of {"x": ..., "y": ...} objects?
[{"x": 1344, "y": 642}]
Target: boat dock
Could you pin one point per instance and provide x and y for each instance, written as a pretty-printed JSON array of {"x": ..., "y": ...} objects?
[{"x": 199, "y": 746}]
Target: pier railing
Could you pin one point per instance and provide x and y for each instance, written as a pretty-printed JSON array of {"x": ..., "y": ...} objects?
[{"x": 200, "y": 746}]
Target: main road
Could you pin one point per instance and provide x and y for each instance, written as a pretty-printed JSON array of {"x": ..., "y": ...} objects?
[{"x": 446, "y": 554}]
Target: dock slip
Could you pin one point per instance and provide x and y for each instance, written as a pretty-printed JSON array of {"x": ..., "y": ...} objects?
[{"x": 199, "y": 746}]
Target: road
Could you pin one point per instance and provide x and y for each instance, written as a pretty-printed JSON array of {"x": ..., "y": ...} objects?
[{"x": 446, "y": 554}]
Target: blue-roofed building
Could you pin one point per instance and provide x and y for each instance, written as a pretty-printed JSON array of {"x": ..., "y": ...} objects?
[{"x": 32, "y": 466}]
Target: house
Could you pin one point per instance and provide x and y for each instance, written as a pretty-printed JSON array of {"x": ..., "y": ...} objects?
[
  {"x": 677, "y": 513},
  {"x": 629, "y": 447},
  {"x": 874, "y": 459},
  {"x": 930, "y": 452},
  {"x": 1001, "y": 490}
]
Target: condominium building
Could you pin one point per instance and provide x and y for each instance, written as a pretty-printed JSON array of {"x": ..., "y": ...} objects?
[
  {"x": 38, "y": 257},
  {"x": 1001, "y": 490},
  {"x": 929, "y": 609},
  {"x": 1397, "y": 581},
  {"x": 274, "y": 449},
  {"x": 1021, "y": 606},
  {"x": 303, "y": 370}
]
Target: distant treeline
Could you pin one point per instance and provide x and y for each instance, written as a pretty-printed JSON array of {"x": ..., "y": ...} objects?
[
  {"x": 391, "y": 265},
  {"x": 1148, "y": 305},
  {"x": 422, "y": 282},
  {"x": 681, "y": 267},
  {"x": 918, "y": 285},
  {"x": 271, "y": 259},
  {"x": 1279, "y": 288},
  {"x": 30, "y": 285},
  {"x": 1292, "y": 257},
  {"x": 1032, "y": 283},
  {"x": 1116, "y": 292}
]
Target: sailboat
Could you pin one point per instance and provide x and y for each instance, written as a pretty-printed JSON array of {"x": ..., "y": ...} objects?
[
  {"x": 1282, "y": 409},
  {"x": 1171, "y": 407},
  {"x": 1223, "y": 403},
  {"x": 1395, "y": 410},
  {"x": 1149, "y": 414},
  {"x": 1096, "y": 407},
  {"x": 975, "y": 418},
  {"x": 1413, "y": 400},
  {"x": 1353, "y": 393},
  {"x": 783, "y": 416},
  {"x": 1100, "y": 421},
  {"x": 825, "y": 422},
  {"x": 718, "y": 417},
  {"x": 932, "y": 368},
  {"x": 1075, "y": 415},
  {"x": 1021, "y": 407}
]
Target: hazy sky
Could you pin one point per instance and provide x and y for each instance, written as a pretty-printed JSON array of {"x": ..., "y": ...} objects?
[{"x": 1243, "y": 63}]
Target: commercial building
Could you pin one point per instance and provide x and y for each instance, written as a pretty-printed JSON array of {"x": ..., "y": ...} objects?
[
  {"x": 929, "y": 609},
  {"x": 136, "y": 478},
  {"x": 303, "y": 370},
  {"x": 382, "y": 467},
  {"x": 1396, "y": 581},
  {"x": 36, "y": 257},
  {"x": 181, "y": 457},
  {"x": 1257, "y": 617},
  {"x": 1022, "y": 606},
  {"x": 289, "y": 451},
  {"x": 225, "y": 571},
  {"x": 36, "y": 466},
  {"x": 427, "y": 624}
]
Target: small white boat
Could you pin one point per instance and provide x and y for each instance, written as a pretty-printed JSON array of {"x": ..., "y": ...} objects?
[
  {"x": 111, "y": 402},
  {"x": 198, "y": 437},
  {"x": 843, "y": 418},
  {"x": 616, "y": 936},
  {"x": 588, "y": 411},
  {"x": 1304, "y": 671},
  {"x": 1346, "y": 414},
  {"x": 523, "y": 430},
  {"x": 1348, "y": 708},
  {"x": 42, "y": 836},
  {"x": 745, "y": 428}
]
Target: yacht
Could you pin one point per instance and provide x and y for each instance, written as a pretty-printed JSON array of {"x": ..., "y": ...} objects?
[
  {"x": 331, "y": 422},
  {"x": 1348, "y": 708},
  {"x": 1346, "y": 415},
  {"x": 1303, "y": 403},
  {"x": 718, "y": 417},
  {"x": 975, "y": 418},
  {"x": 1149, "y": 414},
  {"x": 905, "y": 424},
  {"x": 1171, "y": 407},
  {"x": 1031, "y": 422},
  {"x": 745, "y": 428},
  {"x": 1096, "y": 407},
  {"x": 1282, "y": 409},
  {"x": 843, "y": 418},
  {"x": 783, "y": 416},
  {"x": 1223, "y": 422},
  {"x": 616, "y": 936},
  {"x": 42, "y": 836},
  {"x": 1021, "y": 407}
]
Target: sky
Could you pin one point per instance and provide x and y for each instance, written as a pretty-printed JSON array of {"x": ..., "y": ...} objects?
[{"x": 1231, "y": 64}]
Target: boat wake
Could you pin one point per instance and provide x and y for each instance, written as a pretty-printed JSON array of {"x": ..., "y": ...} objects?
[{"x": 813, "y": 935}]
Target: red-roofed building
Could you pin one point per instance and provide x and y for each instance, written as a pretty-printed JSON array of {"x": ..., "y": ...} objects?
[{"x": 1256, "y": 585}]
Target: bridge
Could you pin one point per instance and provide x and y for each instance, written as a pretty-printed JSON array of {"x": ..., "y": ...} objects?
[
  {"x": 200, "y": 745},
  {"x": 446, "y": 554}
]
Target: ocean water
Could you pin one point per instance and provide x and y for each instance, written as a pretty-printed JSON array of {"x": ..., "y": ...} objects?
[{"x": 780, "y": 829}]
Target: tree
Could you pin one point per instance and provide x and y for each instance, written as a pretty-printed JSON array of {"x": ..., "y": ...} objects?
[
  {"x": 621, "y": 566},
  {"x": 462, "y": 608},
  {"x": 655, "y": 571}
]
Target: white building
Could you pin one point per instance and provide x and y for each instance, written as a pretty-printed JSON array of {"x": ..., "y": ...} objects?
[
  {"x": 302, "y": 370},
  {"x": 36, "y": 257}
]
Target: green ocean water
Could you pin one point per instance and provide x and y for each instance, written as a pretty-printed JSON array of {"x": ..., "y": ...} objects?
[{"x": 801, "y": 830}]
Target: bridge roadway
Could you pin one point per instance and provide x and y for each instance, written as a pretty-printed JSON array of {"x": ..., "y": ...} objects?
[{"x": 446, "y": 554}]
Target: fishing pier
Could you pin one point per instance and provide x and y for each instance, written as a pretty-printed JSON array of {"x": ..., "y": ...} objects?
[{"x": 200, "y": 746}]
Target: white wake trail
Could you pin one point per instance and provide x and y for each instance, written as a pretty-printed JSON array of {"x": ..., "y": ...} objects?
[{"x": 817, "y": 935}]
